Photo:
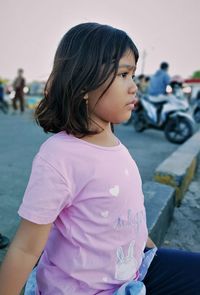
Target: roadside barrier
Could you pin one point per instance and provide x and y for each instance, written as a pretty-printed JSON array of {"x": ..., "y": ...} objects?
[{"x": 171, "y": 180}]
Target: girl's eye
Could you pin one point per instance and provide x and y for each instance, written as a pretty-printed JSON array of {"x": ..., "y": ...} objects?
[{"x": 124, "y": 75}]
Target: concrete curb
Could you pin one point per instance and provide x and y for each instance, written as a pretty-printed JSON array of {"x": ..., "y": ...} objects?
[
  {"x": 159, "y": 202},
  {"x": 172, "y": 178},
  {"x": 179, "y": 168}
]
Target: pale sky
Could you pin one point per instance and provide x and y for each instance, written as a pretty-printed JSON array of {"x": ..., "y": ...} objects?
[{"x": 30, "y": 31}]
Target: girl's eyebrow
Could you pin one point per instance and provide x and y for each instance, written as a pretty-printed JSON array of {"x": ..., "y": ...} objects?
[{"x": 129, "y": 67}]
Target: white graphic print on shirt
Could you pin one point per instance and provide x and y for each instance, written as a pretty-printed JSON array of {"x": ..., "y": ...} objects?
[
  {"x": 104, "y": 214},
  {"x": 105, "y": 279},
  {"x": 131, "y": 220},
  {"x": 114, "y": 190},
  {"x": 126, "y": 266},
  {"x": 126, "y": 172}
]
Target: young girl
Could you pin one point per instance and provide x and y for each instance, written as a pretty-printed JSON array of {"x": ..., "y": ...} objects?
[{"x": 83, "y": 210}]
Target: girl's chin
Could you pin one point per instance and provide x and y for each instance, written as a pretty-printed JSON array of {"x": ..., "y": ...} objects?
[
  {"x": 122, "y": 120},
  {"x": 127, "y": 117}
]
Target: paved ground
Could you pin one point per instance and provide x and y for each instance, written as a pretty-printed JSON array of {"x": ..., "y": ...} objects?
[{"x": 184, "y": 231}]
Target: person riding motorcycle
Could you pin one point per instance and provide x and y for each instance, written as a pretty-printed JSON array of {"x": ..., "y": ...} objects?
[
  {"x": 159, "y": 81},
  {"x": 164, "y": 111}
]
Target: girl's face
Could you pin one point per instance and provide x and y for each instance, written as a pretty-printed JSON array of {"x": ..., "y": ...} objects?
[{"x": 116, "y": 105}]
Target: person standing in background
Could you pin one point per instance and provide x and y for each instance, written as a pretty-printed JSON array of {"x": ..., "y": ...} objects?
[
  {"x": 18, "y": 85},
  {"x": 143, "y": 84},
  {"x": 159, "y": 81},
  {"x": 3, "y": 104}
]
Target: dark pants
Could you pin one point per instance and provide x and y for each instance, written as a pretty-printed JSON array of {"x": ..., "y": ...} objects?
[
  {"x": 173, "y": 272},
  {"x": 18, "y": 96}
]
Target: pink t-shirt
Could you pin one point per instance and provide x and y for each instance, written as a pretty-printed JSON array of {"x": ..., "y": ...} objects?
[{"x": 93, "y": 195}]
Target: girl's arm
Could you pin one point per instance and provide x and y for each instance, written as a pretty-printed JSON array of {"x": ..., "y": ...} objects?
[
  {"x": 22, "y": 256},
  {"x": 150, "y": 243}
]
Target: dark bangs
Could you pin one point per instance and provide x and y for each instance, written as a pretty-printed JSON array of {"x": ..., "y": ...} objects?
[{"x": 86, "y": 57}]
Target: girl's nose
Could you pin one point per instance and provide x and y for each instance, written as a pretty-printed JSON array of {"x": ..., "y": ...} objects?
[{"x": 133, "y": 87}]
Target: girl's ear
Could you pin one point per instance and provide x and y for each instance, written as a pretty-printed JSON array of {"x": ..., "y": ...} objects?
[{"x": 85, "y": 96}]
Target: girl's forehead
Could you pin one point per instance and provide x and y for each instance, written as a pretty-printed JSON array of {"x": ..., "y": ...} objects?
[{"x": 127, "y": 60}]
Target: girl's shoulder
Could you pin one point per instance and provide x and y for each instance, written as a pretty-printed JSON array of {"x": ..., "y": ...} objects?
[
  {"x": 65, "y": 142},
  {"x": 57, "y": 145},
  {"x": 55, "y": 140},
  {"x": 62, "y": 148},
  {"x": 57, "y": 152}
]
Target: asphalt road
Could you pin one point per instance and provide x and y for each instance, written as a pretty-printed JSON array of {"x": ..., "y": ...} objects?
[{"x": 148, "y": 148}]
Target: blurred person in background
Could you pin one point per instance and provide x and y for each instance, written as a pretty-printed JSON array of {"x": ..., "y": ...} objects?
[
  {"x": 159, "y": 81},
  {"x": 176, "y": 84},
  {"x": 18, "y": 86},
  {"x": 143, "y": 83},
  {"x": 3, "y": 104}
]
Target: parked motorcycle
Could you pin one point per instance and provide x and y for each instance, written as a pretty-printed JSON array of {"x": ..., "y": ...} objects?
[
  {"x": 196, "y": 109},
  {"x": 167, "y": 113},
  {"x": 196, "y": 113}
]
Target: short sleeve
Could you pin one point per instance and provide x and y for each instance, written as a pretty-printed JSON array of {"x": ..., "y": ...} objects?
[{"x": 47, "y": 193}]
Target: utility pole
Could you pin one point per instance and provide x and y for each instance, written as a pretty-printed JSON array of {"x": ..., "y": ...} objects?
[{"x": 144, "y": 54}]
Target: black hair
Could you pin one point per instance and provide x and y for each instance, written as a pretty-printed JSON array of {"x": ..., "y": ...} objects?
[
  {"x": 164, "y": 66},
  {"x": 141, "y": 76},
  {"x": 86, "y": 57}
]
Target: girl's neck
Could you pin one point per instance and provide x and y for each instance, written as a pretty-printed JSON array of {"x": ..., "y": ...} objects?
[{"x": 104, "y": 138}]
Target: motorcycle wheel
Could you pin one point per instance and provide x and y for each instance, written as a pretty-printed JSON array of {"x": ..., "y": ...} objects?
[
  {"x": 196, "y": 115},
  {"x": 138, "y": 122},
  {"x": 178, "y": 130}
]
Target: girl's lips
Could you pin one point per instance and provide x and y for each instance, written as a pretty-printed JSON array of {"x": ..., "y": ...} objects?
[
  {"x": 133, "y": 102},
  {"x": 131, "y": 106}
]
